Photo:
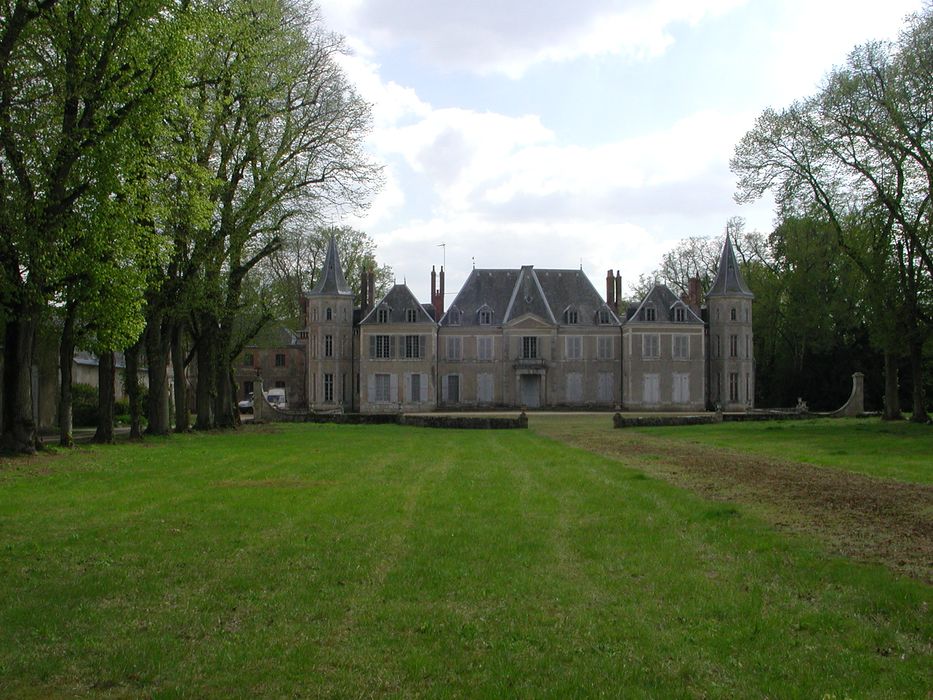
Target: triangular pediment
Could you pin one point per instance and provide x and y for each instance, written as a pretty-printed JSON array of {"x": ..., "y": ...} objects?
[{"x": 529, "y": 321}]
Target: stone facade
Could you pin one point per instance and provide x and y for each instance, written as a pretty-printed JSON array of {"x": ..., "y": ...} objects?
[{"x": 535, "y": 338}]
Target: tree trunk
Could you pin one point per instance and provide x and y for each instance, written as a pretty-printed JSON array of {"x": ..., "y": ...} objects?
[
  {"x": 205, "y": 386},
  {"x": 892, "y": 402},
  {"x": 157, "y": 359},
  {"x": 182, "y": 424},
  {"x": 66, "y": 351},
  {"x": 223, "y": 403},
  {"x": 106, "y": 375},
  {"x": 132, "y": 388},
  {"x": 919, "y": 413},
  {"x": 19, "y": 426}
]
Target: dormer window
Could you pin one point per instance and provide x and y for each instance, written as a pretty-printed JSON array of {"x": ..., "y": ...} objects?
[
  {"x": 453, "y": 316},
  {"x": 680, "y": 314},
  {"x": 485, "y": 317},
  {"x": 329, "y": 314},
  {"x": 382, "y": 315},
  {"x": 650, "y": 314},
  {"x": 602, "y": 317},
  {"x": 571, "y": 317},
  {"x": 411, "y": 315}
]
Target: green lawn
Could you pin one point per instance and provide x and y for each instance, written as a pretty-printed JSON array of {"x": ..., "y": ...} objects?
[
  {"x": 336, "y": 561},
  {"x": 901, "y": 450}
]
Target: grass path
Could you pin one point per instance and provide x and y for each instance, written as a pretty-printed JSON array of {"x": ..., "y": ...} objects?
[{"x": 345, "y": 561}]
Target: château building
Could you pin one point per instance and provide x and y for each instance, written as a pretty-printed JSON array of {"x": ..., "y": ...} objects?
[{"x": 527, "y": 337}]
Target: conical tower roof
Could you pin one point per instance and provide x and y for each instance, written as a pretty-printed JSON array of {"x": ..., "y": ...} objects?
[
  {"x": 729, "y": 281},
  {"x": 332, "y": 281}
]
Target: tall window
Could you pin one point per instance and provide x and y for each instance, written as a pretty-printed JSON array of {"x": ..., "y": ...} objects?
[
  {"x": 453, "y": 388},
  {"x": 604, "y": 347},
  {"x": 328, "y": 346},
  {"x": 411, "y": 315},
  {"x": 529, "y": 347},
  {"x": 733, "y": 386},
  {"x": 484, "y": 347},
  {"x": 681, "y": 347},
  {"x": 280, "y": 359},
  {"x": 732, "y": 315},
  {"x": 650, "y": 345},
  {"x": 413, "y": 347},
  {"x": 247, "y": 389},
  {"x": 382, "y": 388},
  {"x": 574, "y": 347},
  {"x": 382, "y": 315},
  {"x": 454, "y": 347},
  {"x": 248, "y": 359},
  {"x": 329, "y": 314},
  {"x": 680, "y": 387},
  {"x": 329, "y": 388},
  {"x": 415, "y": 395},
  {"x": 733, "y": 346},
  {"x": 382, "y": 347}
]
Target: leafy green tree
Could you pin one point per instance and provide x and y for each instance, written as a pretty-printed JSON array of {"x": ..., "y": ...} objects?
[
  {"x": 859, "y": 152},
  {"x": 270, "y": 130},
  {"x": 82, "y": 84}
]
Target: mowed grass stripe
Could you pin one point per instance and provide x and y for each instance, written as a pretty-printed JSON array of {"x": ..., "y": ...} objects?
[{"x": 350, "y": 561}]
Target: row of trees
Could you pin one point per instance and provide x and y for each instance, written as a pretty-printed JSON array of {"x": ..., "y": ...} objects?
[
  {"x": 854, "y": 162},
  {"x": 812, "y": 324},
  {"x": 153, "y": 155}
]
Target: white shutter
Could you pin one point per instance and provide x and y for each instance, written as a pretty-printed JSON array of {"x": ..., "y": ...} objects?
[
  {"x": 393, "y": 388},
  {"x": 407, "y": 395},
  {"x": 424, "y": 388},
  {"x": 444, "y": 385},
  {"x": 371, "y": 387}
]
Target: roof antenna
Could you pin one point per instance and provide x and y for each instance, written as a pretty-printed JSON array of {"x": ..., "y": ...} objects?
[
  {"x": 474, "y": 262},
  {"x": 581, "y": 264},
  {"x": 444, "y": 246}
]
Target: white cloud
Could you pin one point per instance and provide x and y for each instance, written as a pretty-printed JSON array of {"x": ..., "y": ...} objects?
[{"x": 487, "y": 36}]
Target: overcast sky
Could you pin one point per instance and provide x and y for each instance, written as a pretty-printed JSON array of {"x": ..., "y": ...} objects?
[{"x": 556, "y": 133}]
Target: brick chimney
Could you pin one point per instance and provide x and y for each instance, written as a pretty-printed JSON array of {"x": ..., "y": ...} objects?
[
  {"x": 610, "y": 289},
  {"x": 437, "y": 294},
  {"x": 618, "y": 291},
  {"x": 693, "y": 294},
  {"x": 364, "y": 291},
  {"x": 370, "y": 288}
]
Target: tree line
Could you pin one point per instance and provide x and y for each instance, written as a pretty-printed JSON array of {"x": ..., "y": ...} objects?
[
  {"x": 855, "y": 161},
  {"x": 844, "y": 282},
  {"x": 156, "y": 157}
]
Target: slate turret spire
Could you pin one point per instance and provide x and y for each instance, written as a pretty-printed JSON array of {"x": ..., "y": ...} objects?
[
  {"x": 332, "y": 280},
  {"x": 729, "y": 281}
]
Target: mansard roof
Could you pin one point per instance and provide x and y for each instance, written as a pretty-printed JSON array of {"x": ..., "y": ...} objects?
[
  {"x": 332, "y": 281},
  {"x": 397, "y": 302},
  {"x": 664, "y": 302},
  {"x": 511, "y": 294},
  {"x": 729, "y": 281}
]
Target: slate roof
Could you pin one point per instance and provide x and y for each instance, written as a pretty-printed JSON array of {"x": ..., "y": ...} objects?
[
  {"x": 332, "y": 281},
  {"x": 729, "y": 280},
  {"x": 664, "y": 302},
  {"x": 398, "y": 301},
  {"x": 511, "y": 294}
]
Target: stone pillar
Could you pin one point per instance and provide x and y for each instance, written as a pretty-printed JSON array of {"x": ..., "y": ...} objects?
[{"x": 258, "y": 402}]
